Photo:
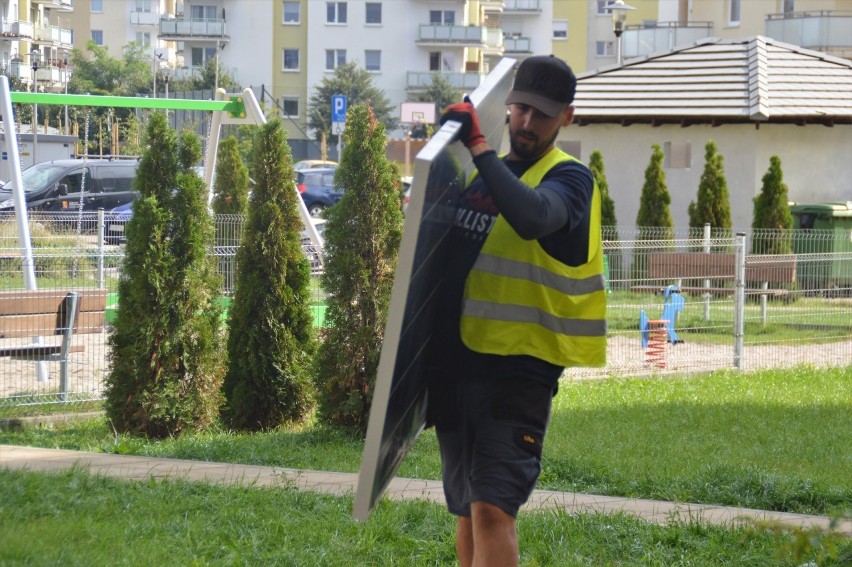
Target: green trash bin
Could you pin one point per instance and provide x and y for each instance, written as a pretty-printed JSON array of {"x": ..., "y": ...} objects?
[{"x": 822, "y": 228}]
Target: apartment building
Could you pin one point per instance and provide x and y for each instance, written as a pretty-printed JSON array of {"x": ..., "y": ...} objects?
[{"x": 35, "y": 39}]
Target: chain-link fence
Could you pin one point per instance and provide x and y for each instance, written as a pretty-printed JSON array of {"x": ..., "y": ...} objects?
[{"x": 678, "y": 301}]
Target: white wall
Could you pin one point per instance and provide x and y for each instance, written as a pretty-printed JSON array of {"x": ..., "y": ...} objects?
[{"x": 816, "y": 161}]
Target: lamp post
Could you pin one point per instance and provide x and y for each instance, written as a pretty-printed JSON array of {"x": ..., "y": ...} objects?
[
  {"x": 65, "y": 72},
  {"x": 618, "y": 9},
  {"x": 34, "y": 57}
]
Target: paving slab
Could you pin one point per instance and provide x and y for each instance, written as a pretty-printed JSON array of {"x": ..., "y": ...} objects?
[{"x": 134, "y": 467}]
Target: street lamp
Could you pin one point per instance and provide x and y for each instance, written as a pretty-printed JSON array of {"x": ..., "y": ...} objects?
[
  {"x": 34, "y": 58},
  {"x": 65, "y": 72},
  {"x": 618, "y": 9}
]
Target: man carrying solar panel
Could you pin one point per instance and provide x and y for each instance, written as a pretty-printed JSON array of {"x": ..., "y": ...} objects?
[{"x": 523, "y": 298}]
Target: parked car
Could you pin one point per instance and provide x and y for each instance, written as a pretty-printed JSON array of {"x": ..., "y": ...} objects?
[
  {"x": 56, "y": 185},
  {"x": 317, "y": 189},
  {"x": 115, "y": 222},
  {"x": 313, "y": 163}
]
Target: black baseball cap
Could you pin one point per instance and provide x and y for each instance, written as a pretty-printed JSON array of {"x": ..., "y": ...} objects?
[{"x": 544, "y": 82}]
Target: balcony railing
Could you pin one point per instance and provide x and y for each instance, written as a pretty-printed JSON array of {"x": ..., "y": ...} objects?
[
  {"x": 52, "y": 34},
  {"x": 200, "y": 28},
  {"x": 823, "y": 29},
  {"x": 529, "y": 6},
  {"x": 144, "y": 18},
  {"x": 449, "y": 34},
  {"x": 650, "y": 37},
  {"x": 494, "y": 40},
  {"x": 461, "y": 81},
  {"x": 517, "y": 45},
  {"x": 16, "y": 29}
]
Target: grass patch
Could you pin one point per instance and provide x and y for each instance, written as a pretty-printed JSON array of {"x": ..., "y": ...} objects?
[
  {"x": 771, "y": 439},
  {"x": 101, "y": 521}
]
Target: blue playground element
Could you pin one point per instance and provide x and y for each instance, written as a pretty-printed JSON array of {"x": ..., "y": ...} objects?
[{"x": 672, "y": 305}]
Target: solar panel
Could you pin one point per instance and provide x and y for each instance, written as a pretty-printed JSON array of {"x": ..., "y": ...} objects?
[{"x": 398, "y": 410}]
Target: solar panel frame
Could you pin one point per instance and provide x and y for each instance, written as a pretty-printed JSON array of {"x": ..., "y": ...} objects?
[{"x": 398, "y": 410}]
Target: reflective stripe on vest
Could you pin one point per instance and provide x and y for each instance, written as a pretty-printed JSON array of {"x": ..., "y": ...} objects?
[{"x": 520, "y": 300}]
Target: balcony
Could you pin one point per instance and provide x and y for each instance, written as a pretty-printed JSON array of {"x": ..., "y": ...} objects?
[
  {"x": 52, "y": 35},
  {"x": 420, "y": 80},
  {"x": 15, "y": 30},
  {"x": 441, "y": 35},
  {"x": 60, "y": 5},
  {"x": 189, "y": 30},
  {"x": 144, "y": 18},
  {"x": 823, "y": 30},
  {"x": 651, "y": 37},
  {"x": 492, "y": 5},
  {"x": 517, "y": 45},
  {"x": 521, "y": 7}
]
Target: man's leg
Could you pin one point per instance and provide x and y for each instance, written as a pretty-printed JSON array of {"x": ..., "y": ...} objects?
[
  {"x": 464, "y": 541},
  {"x": 495, "y": 536}
]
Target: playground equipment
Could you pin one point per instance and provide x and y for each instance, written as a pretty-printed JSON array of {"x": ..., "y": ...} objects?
[{"x": 657, "y": 334}]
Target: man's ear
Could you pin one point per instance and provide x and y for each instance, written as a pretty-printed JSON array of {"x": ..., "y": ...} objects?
[{"x": 569, "y": 116}]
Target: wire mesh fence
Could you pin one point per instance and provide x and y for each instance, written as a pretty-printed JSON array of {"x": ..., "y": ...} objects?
[{"x": 678, "y": 301}]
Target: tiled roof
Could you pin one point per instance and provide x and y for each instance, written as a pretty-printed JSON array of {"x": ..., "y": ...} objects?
[{"x": 756, "y": 79}]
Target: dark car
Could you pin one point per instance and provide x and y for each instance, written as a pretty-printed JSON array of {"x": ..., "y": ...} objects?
[
  {"x": 67, "y": 185},
  {"x": 317, "y": 189},
  {"x": 115, "y": 222}
]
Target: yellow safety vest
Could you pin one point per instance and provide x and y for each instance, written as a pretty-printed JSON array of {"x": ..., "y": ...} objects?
[{"x": 520, "y": 300}]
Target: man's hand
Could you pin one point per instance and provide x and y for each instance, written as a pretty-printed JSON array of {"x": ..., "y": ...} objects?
[{"x": 464, "y": 113}]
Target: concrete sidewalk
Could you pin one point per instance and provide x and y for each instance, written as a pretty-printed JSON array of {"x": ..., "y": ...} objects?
[{"x": 141, "y": 468}]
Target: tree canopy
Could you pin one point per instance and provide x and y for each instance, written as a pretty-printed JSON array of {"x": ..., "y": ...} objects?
[{"x": 357, "y": 85}]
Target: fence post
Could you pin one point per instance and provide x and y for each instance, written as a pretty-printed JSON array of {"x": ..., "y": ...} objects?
[
  {"x": 739, "y": 300},
  {"x": 707, "y": 280},
  {"x": 100, "y": 263}
]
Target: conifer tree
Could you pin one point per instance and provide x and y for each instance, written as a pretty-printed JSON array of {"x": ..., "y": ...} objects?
[
  {"x": 271, "y": 337},
  {"x": 362, "y": 239},
  {"x": 230, "y": 197},
  {"x": 713, "y": 204},
  {"x": 772, "y": 210},
  {"x": 166, "y": 364},
  {"x": 596, "y": 164},
  {"x": 654, "y": 205},
  {"x": 230, "y": 189},
  {"x": 608, "y": 219}
]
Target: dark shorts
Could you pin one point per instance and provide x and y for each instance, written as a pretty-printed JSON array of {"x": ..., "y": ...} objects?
[{"x": 492, "y": 451}]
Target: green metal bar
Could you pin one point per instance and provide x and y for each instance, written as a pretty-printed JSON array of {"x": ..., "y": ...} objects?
[{"x": 234, "y": 106}]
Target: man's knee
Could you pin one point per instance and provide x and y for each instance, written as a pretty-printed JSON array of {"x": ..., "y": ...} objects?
[{"x": 490, "y": 516}]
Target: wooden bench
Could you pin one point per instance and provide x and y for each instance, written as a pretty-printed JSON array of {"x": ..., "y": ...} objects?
[
  {"x": 763, "y": 270},
  {"x": 48, "y": 313}
]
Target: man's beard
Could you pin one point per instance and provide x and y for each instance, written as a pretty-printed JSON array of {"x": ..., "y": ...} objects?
[{"x": 536, "y": 150}]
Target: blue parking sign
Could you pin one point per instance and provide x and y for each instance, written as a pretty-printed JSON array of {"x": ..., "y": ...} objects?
[{"x": 338, "y": 108}]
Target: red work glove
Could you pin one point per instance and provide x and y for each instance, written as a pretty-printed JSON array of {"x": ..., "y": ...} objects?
[{"x": 465, "y": 114}]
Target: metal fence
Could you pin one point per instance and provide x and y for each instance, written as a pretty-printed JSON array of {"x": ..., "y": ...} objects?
[{"x": 678, "y": 302}]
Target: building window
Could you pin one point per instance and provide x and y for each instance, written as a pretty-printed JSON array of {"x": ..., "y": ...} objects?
[
  {"x": 290, "y": 58},
  {"x": 292, "y": 15},
  {"x": 334, "y": 58},
  {"x": 789, "y": 6},
  {"x": 734, "y": 12},
  {"x": 203, "y": 12},
  {"x": 143, "y": 6},
  {"x": 290, "y": 106},
  {"x": 373, "y": 60},
  {"x": 601, "y": 6},
  {"x": 374, "y": 13},
  {"x": 560, "y": 29},
  {"x": 335, "y": 12},
  {"x": 605, "y": 48},
  {"x": 446, "y": 17},
  {"x": 197, "y": 57},
  {"x": 143, "y": 39},
  {"x": 98, "y": 36},
  {"x": 678, "y": 155},
  {"x": 97, "y": 6}
]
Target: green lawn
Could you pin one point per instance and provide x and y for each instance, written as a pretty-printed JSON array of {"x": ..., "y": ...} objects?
[
  {"x": 774, "y": 440},
  {"x": 75, "y": 519}
]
